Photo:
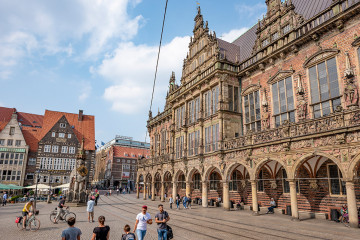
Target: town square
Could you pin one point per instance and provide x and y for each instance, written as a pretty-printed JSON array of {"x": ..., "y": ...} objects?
[{"x": 137, "y": 119}]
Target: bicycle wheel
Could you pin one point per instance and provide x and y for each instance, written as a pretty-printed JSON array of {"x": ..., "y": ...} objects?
[
  {"x": 34, "y": 224},
  {"x": 69, "y": 215},
  {"x": 53, "y": 216}
]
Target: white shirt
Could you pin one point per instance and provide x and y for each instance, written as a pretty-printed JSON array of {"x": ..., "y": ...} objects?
[{"x": 142, "y": 225}]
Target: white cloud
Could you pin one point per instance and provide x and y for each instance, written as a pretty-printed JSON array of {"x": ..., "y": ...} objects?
[
  {"x": 233, "y": 34},
  {"x": 85, "y": 91},
  {"x": 5, "y": 75},
  {"x": 251, "y": 10},
  {"x": 52, "y": 27},
  {"x": 131, "y": 70}
]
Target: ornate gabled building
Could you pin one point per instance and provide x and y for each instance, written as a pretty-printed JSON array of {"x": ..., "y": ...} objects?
[{"x": 275, "y": 114}]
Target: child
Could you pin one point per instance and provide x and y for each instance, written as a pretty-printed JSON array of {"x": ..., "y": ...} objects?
[
  {"x": 90, "y": 208},
  {"x": 71, "y": 232},
  {"x": 101, "y": 232},
  {"x": 128, "y": 235},
  {"x": 171, "y": 201}
]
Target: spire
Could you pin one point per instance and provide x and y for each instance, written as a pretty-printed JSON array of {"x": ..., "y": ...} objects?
[{"x": 199, "y": 21}]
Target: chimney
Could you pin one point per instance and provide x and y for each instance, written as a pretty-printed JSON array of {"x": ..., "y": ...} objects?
[{"x": 80, "y": 115}]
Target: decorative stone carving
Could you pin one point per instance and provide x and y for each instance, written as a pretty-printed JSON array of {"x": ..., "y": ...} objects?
[
  {"x": 273, "y": 184},
  {"x": 282, "y": 74},
  {"x": 319, "y": 56},
  {"x": 349, "y": 73},
  {"x": 351, "y": 94},
  {"x": 313, "y": 184},
  {"x": 340, "y": 138},
  {"x": 265, "y": 117}
]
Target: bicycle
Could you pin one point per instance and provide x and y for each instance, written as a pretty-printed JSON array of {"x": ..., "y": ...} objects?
[
  {"x": 32, "y": 222},
  {"x": 63, "y": 216}
]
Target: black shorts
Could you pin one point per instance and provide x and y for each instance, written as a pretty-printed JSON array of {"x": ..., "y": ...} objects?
[{"x": 24, "y": 214}]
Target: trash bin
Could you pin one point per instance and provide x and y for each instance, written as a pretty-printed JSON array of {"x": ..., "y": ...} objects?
[
  {"x": 231, "y": 204},
  {"x": 217, "y": 204},
  {"x": 335, "y": 215},
  {"x": 211, "y": 202}
]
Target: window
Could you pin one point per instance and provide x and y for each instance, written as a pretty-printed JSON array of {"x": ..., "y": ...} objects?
[
  {"x": 286, "y": 29},
  {"x": 215, "y": 137},
  {"x": 179, "y": 147},
  {"x": 286, "y": 184},
  {"x": 9, "y": 142},
  {"x": 42, "y": 163},
  {"x": 55, "y": 149},
  {"x": 47, "y": 148},
  {"x": 260, "y": 184},
  {"x": 180, "y": 116},
  {"x": 163, "y": 142},
  {"x": 275, "y": 36},
  {"x": 133, "y": 161},
  {"x": 265, "y": 42},
  {"x": 233, "y": 185},
  {"x": 324, "y": 85},
  {"x": 283, "y": 101},
  {"x": 197, "y": 181},
  {"x": 63, "y": 125},
  {"x": 72, "y": 150},
  {"x": 17, "y": 142},
  {"x": 191, "y": 142},
  {"x": 207, "y": 103},
  {"x": 182, "y": 182},
  {"x": 2, "y": 142},
  {"x": 12, "y": 131},
  {"x": 214, "y": 181},
  {"x": 194, "y": 108},
  {"x": 215, "y": 99},
  {"x": 64, "y": 149},
  {"x": 252, "y": 111},
  {"x": 69, "y": 135},
  {"x": 337, "y": 187},
  {"x": 29, "y": 176},
  {"x": 53, "y": 134},
  {"x": 208, "y": 139},
  {"x": 61, "y": 135},
  {"x": 49, "y": 163},
  {"x": 32, "y": 161},
  {"x": 233, "y": 98}
]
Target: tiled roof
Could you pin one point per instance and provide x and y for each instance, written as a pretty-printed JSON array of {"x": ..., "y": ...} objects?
[
  {"x": 82, "y": 129},
  {"x": 5, "y": 116},
  {"x": 31, "y": 136},
  {"x": 29, "y": 119},
  {"x": 120, "y": 151},
  {"x": 229, "y": 50},
  {"x": 306, "y": 8}
]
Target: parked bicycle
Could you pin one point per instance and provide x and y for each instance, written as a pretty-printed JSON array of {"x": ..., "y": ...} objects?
[
  {"x": 63, "y": 216},
  {"x": 32, "y": 222}
]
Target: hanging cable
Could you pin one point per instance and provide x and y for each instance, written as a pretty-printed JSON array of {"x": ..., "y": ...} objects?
[{"x": 157, "y": 64}]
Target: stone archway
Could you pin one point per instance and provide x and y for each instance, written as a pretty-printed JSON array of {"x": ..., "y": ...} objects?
[
  {"x": 238, "y": 178},
  {"x": 157, "y": 185},
  {"x": 320, "y": 186},
  {"x": 168, "y": 183},
  {"x": 213, "y": 179},
  {"x": 180, "y": 180},
  {"x": 194, "y": 179}
]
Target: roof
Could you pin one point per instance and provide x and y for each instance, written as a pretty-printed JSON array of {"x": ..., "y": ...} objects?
[
  {"x": 29, "y": 119},
  {"x": 82, "y": 129},
  {"x": 31, "y": 136},
  {"x": 306, "y": 8},
  {"x": 5, "y": 116},
  {"x": 231, "y": 50},
  {"x": 119, "y": 151}
]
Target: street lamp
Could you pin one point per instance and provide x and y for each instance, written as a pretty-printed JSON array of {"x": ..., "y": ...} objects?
[
  {"x": 49, "y": 197},
  {"x": 37, "y": 180}
]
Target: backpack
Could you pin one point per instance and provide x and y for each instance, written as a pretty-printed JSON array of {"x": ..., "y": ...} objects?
[
  {"x": 129, "y": 236},
  {"x": 18, "y": 219},
  {"x": 170, "y": 234}
]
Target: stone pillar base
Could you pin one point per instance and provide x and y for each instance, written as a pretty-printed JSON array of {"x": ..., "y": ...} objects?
[
  {"x": 255, "y": 214},
  {"x": 295, "y": 219}
]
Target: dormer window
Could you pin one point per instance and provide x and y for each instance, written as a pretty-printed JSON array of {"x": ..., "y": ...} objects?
[
  {"x": 286, "y": 29},
  {"x": 265, "y": 42},
  {"x": 53, "y": 134},
  {"x": 63, "y": 125},
  {"x": 275, "y": 36}
]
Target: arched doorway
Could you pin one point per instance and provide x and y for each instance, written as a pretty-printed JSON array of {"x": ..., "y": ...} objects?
[
  {"x": 320, "y": 186},
  {"x": 148, "y": 185},
  {"x": 239, "y": 184},
  {"x": 141, "y": 183},
  {"x": 271, "y": 182},
  {"x": 195, "y": 184},
  {"x": 215, "y": 190},
  {"x": 157, "y": 185},
  {"x": 168, "y": 183}
]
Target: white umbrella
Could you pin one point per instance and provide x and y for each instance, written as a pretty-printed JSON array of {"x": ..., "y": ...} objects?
[
  {"x": 39, "y": 186},
  {"x": 66, "y": 185}
]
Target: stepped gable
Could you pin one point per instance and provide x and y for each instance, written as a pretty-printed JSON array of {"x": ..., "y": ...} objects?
[
  {"x": 306, "y": 8},
  {"x": 82, "y": 129},
  {"x": 5, "y": 116}
]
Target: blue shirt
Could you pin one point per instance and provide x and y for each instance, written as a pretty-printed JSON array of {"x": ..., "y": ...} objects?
[
  {"x": 90, "y": 206},
  {"x": 71, "y": 233},
  {"x": 5, "y": 196}
]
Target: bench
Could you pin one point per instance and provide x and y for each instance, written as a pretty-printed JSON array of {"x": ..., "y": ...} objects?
[
  {"x": 279, "y": 211},
  {"x": 248, "y": 207}
]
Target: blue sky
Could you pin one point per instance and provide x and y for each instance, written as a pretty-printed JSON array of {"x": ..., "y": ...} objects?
[{"x": 100, "y": 55}]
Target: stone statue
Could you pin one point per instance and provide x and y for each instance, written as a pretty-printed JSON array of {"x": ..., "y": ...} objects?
[
  {"x": 351, "y": 94},
  {"x": 301, "y": 107}
]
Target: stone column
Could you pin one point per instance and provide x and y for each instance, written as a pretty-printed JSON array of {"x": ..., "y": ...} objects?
[
  {"x": 204, "y": 197},
  {"x": 293, "y": 199},
  {"x": 153, "y": 191},
  {"x": 226, "y": 197},
  {"x": 351, "y": 202},
  {"x": 162, "y": 192},
  {"x": 174, "y": 192},
  {"x": 254, "y": 197},
  {"x": 144, "y": 190},
  {"x": 137, "y": 191},
  {"x": 188, "y": 189}
]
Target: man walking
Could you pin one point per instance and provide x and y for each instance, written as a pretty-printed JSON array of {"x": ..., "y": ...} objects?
[
  {"x": 185, "y": 201},
  {"x": 142, "y": 220},
  {"x": 161, "y": 218},
  {"x": 4, "y": 199}
]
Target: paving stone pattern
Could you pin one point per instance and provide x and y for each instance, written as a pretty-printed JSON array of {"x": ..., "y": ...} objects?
[{"x": 195, "y": 223}]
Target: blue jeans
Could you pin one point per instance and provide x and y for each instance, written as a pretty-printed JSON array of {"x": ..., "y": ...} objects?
[
  {"x": 162, "y": 234},
  {"x": 140, "y": 234}
]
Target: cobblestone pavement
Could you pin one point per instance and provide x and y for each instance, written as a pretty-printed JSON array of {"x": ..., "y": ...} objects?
[{"x": 195, "y": 223}]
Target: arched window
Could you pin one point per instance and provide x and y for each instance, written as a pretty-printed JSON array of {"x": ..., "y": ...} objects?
[
  {"x": 283, "y": 101},
  {"x": 260, "y": 184},
  {"x": 197, "y": 181},
  {"x": 214, "y": 181},
  {"x": 233, "y": 186},
  {"x": 182, "y": 181},
  {"x": 252, "y": 111}
]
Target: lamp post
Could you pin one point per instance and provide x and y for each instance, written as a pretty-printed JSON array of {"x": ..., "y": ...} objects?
[
  {"x": 49, "y": 196},
  {"x": 37, "y": 180}
]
